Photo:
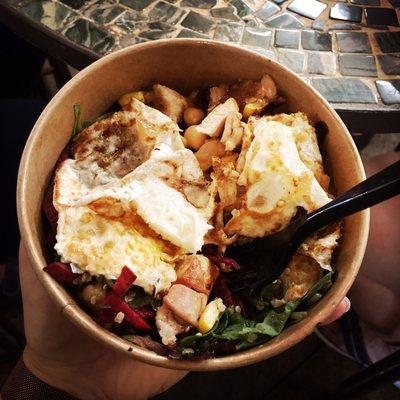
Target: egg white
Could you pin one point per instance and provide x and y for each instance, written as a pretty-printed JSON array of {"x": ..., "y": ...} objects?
[
  {"x": 102, "y": 246},
  {"x": 277, "y": 182}
]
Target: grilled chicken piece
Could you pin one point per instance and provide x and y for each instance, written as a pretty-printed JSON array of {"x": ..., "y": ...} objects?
[
  {"x": 258, "y": 94},
  {"x": 320, "y": 247},
  {"x": 185, "y": 303},
  {"x": 300, "y": 276},
  {"x": 197, "y": 272},
  {"x": 233, "y": 132},
  {"x": 217, "y": 96},
  {"x": 213, "y": 124},
  {"x": 247, "y": 138},
  {"x": 169, "y": 102},
  {"x": 168, "y": 325}
]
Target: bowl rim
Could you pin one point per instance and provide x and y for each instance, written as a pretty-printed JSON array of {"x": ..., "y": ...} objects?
[{"x": 80, "y": 318}]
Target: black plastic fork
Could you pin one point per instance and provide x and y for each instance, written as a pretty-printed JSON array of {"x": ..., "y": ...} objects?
[{"x": 264, "y": 259}]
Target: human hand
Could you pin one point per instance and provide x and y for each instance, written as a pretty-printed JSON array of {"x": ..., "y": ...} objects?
[{"x": 63, "y": 356}]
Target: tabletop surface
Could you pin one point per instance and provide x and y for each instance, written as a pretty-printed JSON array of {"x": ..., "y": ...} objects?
[{"x": 349, "y": 50}]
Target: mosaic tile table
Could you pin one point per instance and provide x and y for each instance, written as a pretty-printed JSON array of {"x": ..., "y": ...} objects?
[{"x": 349, "y": 50}]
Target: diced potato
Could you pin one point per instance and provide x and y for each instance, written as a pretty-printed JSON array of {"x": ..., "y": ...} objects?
[
  {"x": 210, "y": 315},
  {"x": 194, "y": 139},
  {"x": 252, "y": 109},
  {"x": 210, "y": 149},
  {"x": 127, "y": 97}
]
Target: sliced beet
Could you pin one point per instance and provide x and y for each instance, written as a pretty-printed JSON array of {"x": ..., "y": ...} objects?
[
  {"x": 223, "y": 260},
  {"x": 131, "y": 316},
  {"x": 145, "y": 312},
  {"x": 124, "y": 282},
  {"x": 61, "y": 272}
]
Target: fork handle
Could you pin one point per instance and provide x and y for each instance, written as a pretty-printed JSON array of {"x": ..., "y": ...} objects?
[{"x": 377, "y": 188}]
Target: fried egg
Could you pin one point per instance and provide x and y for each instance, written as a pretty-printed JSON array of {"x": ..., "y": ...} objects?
[
  {"x": 277, "y": 182},
  {"x": 152, "y": 182},
  {"x": 102, "y": 246},
  {"x": 306, "y": 142},
  {"x": 113, "y": 147}
]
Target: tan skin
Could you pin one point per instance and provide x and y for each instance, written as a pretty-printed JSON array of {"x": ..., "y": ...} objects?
[{"x": 63, "y": 356}]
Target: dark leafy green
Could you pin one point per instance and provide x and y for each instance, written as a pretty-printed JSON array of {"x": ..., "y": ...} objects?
[
  {"x": 86, "y": 124},
  {"x": 272, "y": 325},
  {"x": 298, "y": 315},
  {"x": 320, "y": 287},
  {"x": 246, "y": 333},
  {"x": 137, "y": 297},
  {"x": 77, "y": 127}
]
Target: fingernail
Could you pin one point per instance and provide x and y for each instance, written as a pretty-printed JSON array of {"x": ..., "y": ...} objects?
[{"x": 348, "y": 304}]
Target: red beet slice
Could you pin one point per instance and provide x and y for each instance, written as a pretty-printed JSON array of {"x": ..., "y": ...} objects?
[
  {"x": 223, "y": 260},
  {"x": 105, "y": 316},
  {"x": 145, "y": 312},
  {"x": 48, "y": 208},
  {"x": 124, "y": 282},
  {"x": 221, "y": 290},
  {"x": 61, "y": 272},
  {"x": 131, "y": 316}
]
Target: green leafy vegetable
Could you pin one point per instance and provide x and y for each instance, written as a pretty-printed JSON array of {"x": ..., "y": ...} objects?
[
  {"x": 137, "y": 297},
  {"x": 272, "y": 325},
  {"x": 270, "y": 322},
  {"x": 312, "y": 300},
  {"x": 320, "y": 287},
  {"x": 77, "y": 120},
  {"x": 86, "y": 124},
  {"x": 298, "y": 315},
  {"x": 79, "y": 126}
]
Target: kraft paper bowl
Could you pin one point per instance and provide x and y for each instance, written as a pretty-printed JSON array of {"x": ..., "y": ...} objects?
[{"x": 183, "y": 64}]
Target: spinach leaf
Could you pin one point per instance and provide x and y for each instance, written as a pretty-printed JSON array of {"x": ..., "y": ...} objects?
[
  {"x": 246, "y": 333},
  {"x": 194, "y": 340},
  {"x": 270, "y": 291},
  {"x": 137, "y": 297},
  {"x": 320, "y": 287},
  {"x": 272, "y": 325},
  {"x": 298, "y": 315},
  {"x": 77, "y": 120},
  {"x": 86, "y": 124}
]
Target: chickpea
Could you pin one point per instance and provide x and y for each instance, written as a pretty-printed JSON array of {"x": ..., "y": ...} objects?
[
  {"x": 194, "y": 139},
  {"x": 193, "y": 116},
  {"x": 210, "y": 149},
  {"x": 230, "y": 157}
]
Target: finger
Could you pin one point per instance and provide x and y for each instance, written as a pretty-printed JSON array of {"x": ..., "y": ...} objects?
[{"x": 341, "y": 309}]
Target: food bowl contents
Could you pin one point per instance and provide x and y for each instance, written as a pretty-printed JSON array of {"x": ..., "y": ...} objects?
[{"x": 146, "y": 199}]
